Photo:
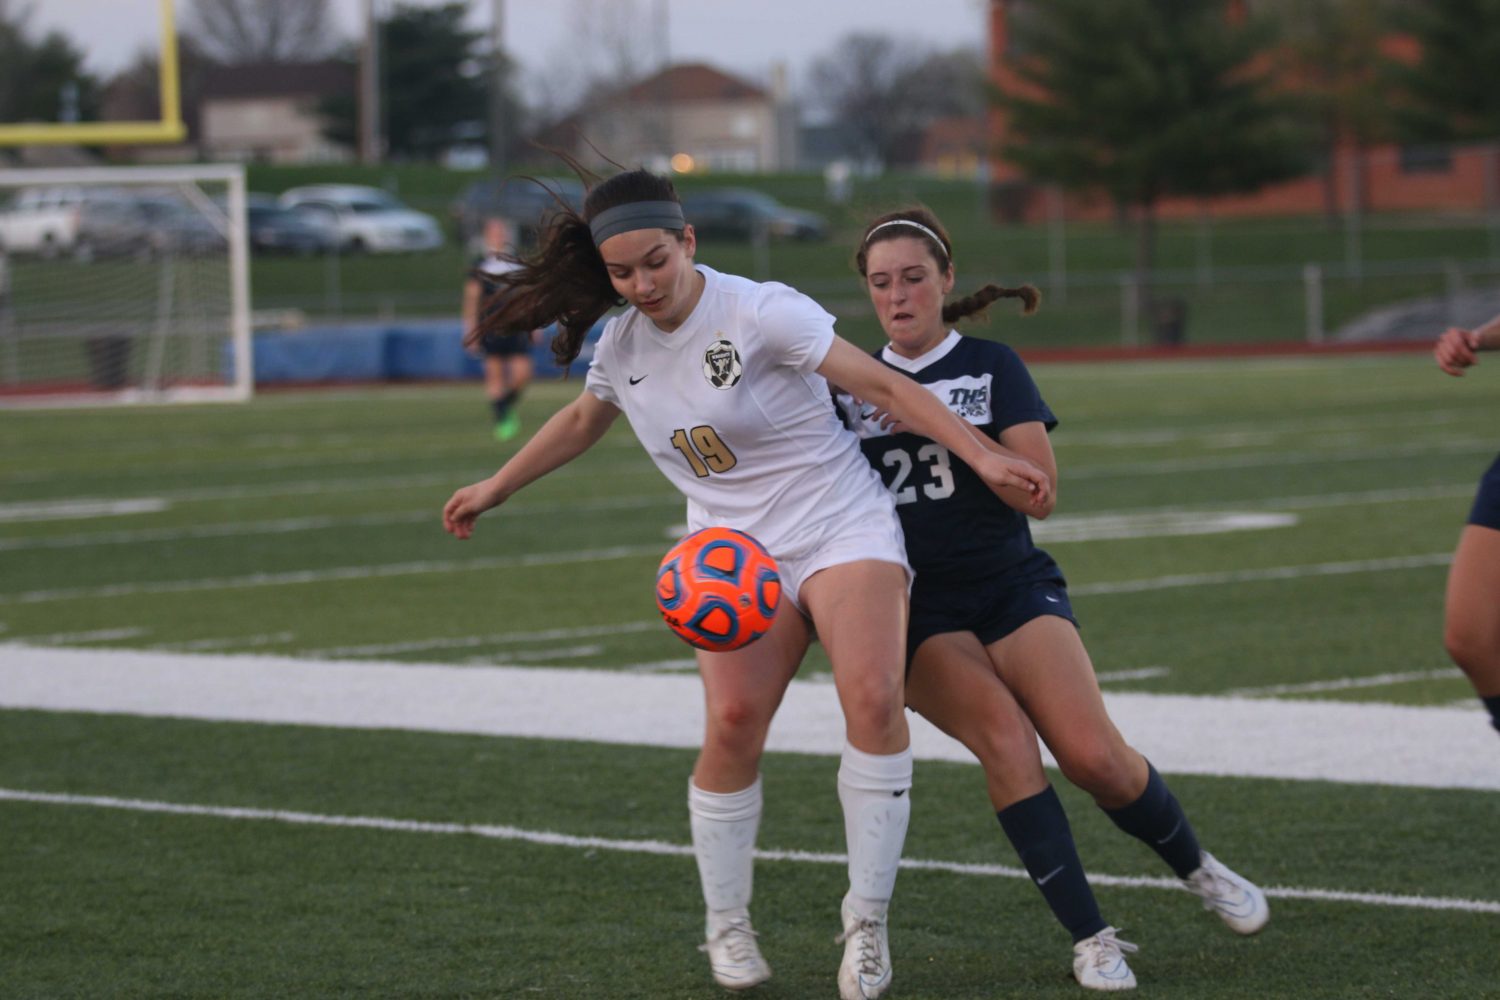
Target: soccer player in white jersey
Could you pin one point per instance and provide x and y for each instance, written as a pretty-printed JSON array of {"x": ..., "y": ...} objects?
[
  {"x": 723, "y": 381},
  {"x": 994, "y": 650}
]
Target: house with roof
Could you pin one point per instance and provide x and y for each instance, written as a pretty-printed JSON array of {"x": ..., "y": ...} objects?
[
  {"x": 270, "y": 112},
  {"x": 691, "y": 116}
]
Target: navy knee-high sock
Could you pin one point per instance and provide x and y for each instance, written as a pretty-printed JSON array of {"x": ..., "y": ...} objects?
[
  {"x": 1157, "y": 820},
  {"x": 1493, "y": 704},
  {"x": 1038, "y": 830}
]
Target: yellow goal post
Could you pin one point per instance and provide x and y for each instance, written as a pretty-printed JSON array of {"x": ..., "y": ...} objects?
[{"x": 169, "y": 128}]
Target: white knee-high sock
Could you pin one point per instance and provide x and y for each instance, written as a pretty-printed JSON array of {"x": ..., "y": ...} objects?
[
  {"x": 724, "y": 828},
  {"x": 875, "y": 790}
]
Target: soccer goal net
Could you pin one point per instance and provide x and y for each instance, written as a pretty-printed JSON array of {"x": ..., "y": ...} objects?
[{"x": 124, "y": 284}]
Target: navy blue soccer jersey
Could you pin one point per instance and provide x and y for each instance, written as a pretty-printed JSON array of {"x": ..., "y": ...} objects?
[{"x": 956, "y": 528}]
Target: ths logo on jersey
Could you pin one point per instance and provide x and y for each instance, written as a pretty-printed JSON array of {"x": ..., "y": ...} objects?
[
  {"x": 721, "y": 365},
  {"x": 971, "y": 403}
]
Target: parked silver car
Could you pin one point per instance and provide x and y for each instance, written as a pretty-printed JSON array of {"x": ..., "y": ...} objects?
[{"x": 365, "y": 218}]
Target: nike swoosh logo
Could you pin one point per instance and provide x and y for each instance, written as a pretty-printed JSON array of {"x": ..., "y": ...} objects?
[
  {"x": 1052, "y": 599},
  {"x": 898, "y": 794},
  {"x": 633, "y": 381},
  {"x": 1049, "y": 876},
  {"x": 1172, "y": 834}
]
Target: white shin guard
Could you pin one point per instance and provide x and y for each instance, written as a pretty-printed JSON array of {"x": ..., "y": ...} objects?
[
  {"x": 724, "y": 828},
  {"x": 875, "y": 790}
]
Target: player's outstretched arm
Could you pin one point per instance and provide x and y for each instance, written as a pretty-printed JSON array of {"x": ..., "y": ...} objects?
[
  {"x": 569, "y": 433},
  {"x": 858, "y": 373},
  {"x": 1458, "y": 348}
]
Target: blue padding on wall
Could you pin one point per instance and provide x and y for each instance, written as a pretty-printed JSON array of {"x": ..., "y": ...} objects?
[
  {"x": 332, "y": 354},
  {"x": 429, "y": 351},
  {"x": 380, "y": 352}
]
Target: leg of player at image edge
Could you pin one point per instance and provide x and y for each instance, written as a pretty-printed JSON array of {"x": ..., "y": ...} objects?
[
  {"x": 875, "y": 791},
  {"x": 724, "y": 828}
]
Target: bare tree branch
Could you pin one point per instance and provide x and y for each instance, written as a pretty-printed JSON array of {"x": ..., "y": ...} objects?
[{"x": 247, "y": 31}]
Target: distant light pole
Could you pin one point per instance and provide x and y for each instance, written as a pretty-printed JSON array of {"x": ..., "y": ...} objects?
[
  {"x": 497, "y": 87},
  {"x": 369, "y": 89}
]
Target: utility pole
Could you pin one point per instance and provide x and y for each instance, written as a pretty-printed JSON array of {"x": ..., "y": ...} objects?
[
  {"x": 497, "y": 121},
  {"x": 369, "y": 89}
]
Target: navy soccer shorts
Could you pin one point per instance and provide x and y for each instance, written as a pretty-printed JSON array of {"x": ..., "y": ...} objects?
[
  {"x": 506, "y": 345},
  {"x": 1486, "y": 512},
  {"x": 991, "y": 609}
]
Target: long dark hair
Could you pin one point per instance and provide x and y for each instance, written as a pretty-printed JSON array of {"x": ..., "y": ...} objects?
[
  {"x": 565, "y": 280},
  {"x": 941, "y": 249}
]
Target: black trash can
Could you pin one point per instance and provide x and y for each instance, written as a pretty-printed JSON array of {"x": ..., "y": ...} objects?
[
  {"x": 109, "y": 361},
  {"x": 1169, "y": 322}
]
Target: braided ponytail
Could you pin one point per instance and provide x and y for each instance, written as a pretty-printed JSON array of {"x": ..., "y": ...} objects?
[{"x": 974, "y": 306}]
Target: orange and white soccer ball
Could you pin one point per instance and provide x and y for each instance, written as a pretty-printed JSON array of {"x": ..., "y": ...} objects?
[{"x": 718, "y": 589}]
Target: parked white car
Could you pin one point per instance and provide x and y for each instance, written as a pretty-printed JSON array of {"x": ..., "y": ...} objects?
[
  {"x": 42, "y": 220},
  {"x": 365, "y": 218}
]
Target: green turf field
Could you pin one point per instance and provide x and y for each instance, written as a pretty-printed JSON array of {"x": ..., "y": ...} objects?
[{"x": 306, "y": 525}]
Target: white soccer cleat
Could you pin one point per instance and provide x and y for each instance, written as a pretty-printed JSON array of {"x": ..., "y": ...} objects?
[
  {"x": 1237, "y": 900},
  {"x": 865, "y": 972},
  {"x": 734, "y": 956},
  {"x": 1099, "y": 962}
]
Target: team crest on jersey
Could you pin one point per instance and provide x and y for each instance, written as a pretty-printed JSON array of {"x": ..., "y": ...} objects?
[{"x": 721, "y": 364}]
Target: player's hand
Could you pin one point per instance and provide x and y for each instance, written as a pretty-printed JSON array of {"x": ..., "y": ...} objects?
[
  {"x": 1456, "y": 350},
  {"x": 1001, "y": 471},
  {"x": 464, "y": 507}
]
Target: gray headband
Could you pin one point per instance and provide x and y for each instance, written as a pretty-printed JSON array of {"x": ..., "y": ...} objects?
[{"x": 636, "y": 215}]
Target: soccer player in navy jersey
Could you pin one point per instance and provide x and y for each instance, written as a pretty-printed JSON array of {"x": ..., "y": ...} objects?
[
  {"x": 1471, "y": 627},
  {"x": 507, "y": 353},
  {"x": 994, "y": 656}
]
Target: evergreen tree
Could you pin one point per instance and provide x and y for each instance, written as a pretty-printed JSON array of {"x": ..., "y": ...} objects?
[
  {"x": 1139, "y": 100},
  {"x": 1452, "y": 92},
  {"x": 41, "y": 80},
  {"x": 434, "y": 82},
  {"x": 1332, "y": 56}
]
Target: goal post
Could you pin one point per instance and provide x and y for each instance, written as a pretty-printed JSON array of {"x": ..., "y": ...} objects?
[{"x": 124, "y": 285}]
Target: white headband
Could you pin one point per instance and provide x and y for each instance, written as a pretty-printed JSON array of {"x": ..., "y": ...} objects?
[{"x": 915, "y": 225}]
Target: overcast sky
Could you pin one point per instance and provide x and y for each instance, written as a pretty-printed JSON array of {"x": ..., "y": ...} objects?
[{"x": 745, "y": 36}]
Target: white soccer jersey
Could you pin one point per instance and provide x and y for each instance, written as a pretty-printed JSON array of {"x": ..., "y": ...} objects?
[{"x": 731, "y": 409}]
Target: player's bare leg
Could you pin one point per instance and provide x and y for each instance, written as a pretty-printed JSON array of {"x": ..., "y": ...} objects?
[
  {"x": 860, "y": 609},
  {"x": 742, "y": 690},
  {"x": 1471, "y": 627}
]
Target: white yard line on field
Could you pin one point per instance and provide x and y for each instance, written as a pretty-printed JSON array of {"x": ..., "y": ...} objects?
[
  {"x": 304, "y": 577},
  {"x": 663, "y": 848},
  {"x": 297, "y": 577},
  {"x": 1349, "y": 683},
  {"x": 1150, "y": 524},
  {"x": 94, "y": 635},
  {"x": 1303, "y": 740},
  {"x": 1142, "y": 674},
  {"x": 492, "y": 639},
  {"x": 78, "y": 508},
  {"x": 237, "y": 528},
  {"x": 1277, "y": 459},
  {"x": 1269, "y": 573}
]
